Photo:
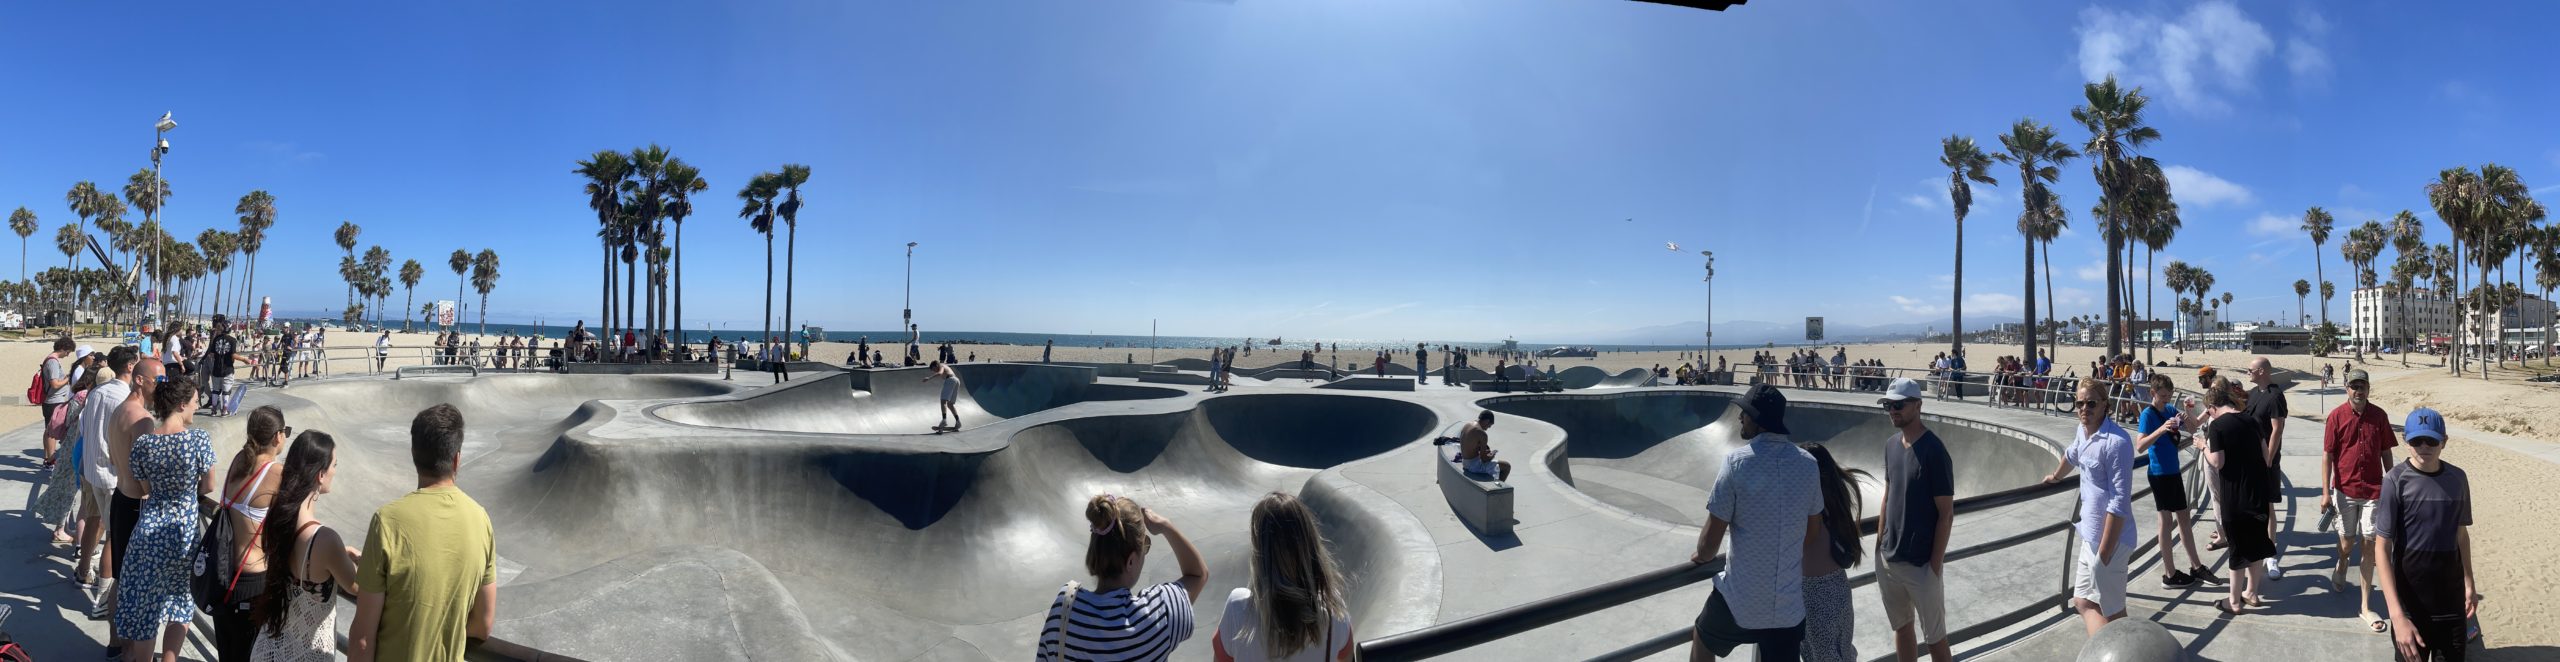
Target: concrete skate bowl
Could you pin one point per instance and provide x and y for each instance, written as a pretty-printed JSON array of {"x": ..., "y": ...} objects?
[
  {"x": 1583, "y": 376},
  {"x": 1655, "y": 454},
  {"x": 899, "y": 401},
  {"x": 893, "y": 548}
]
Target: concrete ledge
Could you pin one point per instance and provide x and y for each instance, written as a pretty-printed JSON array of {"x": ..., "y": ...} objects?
[
  {"x": 692, "y": 368},
  {"x": 1370, "y": 383},
  {"x": 1173, "y": 377},
  {"x": 1483, "y": 504},
  {"x": 1515, "y": 386}
]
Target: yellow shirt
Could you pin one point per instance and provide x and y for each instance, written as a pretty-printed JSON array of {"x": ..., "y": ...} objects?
[{"x": 428, "y": 553}]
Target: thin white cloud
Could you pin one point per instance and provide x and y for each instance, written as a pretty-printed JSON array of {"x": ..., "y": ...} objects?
[
  {"x": 1867, "y": 213},
  {"x": 1920, "y": 201},
  {"x": 2190, "y": 60},
  {"x": 2303, "y": 55},
  {"x": 1993, "y": 303},
  {"x": 2093, "y": 272},
  {"x": 2270, "y": 225},
  {"x": 2201, "y": 189},
  {"x": 2072, "y": 296}
]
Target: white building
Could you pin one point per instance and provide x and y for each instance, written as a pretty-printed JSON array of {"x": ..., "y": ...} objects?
[{"x": 2380, "y": 319}]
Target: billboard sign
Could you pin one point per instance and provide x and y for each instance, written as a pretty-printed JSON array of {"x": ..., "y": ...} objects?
[
  {"x": 1813, "y": 329},
  {"x": 444, "y": 312}
]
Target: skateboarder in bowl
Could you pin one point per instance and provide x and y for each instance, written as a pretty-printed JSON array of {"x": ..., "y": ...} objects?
[{"x": 950, "y": 395}]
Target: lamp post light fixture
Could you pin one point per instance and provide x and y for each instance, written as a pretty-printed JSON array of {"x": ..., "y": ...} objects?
[{"x": 907, "y": 315}]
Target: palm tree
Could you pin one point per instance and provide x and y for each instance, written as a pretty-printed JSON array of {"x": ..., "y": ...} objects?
[
  {"x": 2113, "y": 116},
  {"x": 484, "y": 277},
  {"x": 2155, "y": 229},
  {"x": 2031, "y": 146},
  {"x": 2203, "y": 284},
  {"x": 2179, "y": 277},
  {"x": 460, "y": 261},
  {"x": 794, "y": 175},
  {"x": 605, "y": 173},
  {"x": 145, "y": 190},
  {"x": 2316, "y": 223},
  {"x": 346, "y": 236},
  {"x": 257, "y": 211},
  {"x": 682, "y": 181},
  {"x": 756, "y": 206},
  {"x": 2301, "y": 290},
  {"x": 217, "y": 247},
  {"x": 69, "y": 240},
  {"x": 2452, "y": 195},
  {"x": 2404, "y": 274},
  {"x": 85, "y": 201},
  {"x": 22, "y": 222},
  {"x": 410, "y": 273},
  {"x": 377, "y": 265},
  {"x": 2547, "y": 275},
  {"x": 1965, "y": 163}
]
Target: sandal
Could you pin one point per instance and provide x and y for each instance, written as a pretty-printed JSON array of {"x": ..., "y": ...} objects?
[
  {"x": 2376, "y": 623},
  {"x": 2224, "y": 605}
]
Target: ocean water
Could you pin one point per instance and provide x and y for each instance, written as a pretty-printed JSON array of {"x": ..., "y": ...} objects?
[{"x": 556, "y": 332}]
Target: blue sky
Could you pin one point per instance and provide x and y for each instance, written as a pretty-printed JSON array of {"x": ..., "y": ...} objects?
[{"x": 1414, "y": 169}]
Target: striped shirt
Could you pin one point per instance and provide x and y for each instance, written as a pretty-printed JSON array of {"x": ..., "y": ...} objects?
[{"x": 1115, "y": 626}]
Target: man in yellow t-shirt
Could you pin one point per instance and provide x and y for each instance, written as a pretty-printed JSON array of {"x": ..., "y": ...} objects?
[{"x": 427, "y": 583}]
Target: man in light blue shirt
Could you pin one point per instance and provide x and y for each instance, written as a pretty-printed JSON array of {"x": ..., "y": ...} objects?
[
  {"x": 2103, "y": 452},
  {"x": 1768, "y": 497}
]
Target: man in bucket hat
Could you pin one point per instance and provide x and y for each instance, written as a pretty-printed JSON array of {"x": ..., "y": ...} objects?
[{"x": 1768, "y": 497}]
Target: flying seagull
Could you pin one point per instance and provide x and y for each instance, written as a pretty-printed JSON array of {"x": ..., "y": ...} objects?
[{"x": 1675, "y": 248}]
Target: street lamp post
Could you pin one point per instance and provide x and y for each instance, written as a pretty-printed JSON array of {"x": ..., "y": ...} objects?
[
  {"x": 159, "y": 147},
  {"x": 907, "y": 315},
  {"x": 1711, "y": 308}
]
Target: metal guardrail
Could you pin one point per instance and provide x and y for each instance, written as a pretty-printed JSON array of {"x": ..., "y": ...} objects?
[
  {"x": 403, "y": 371},
  {"x": 1454, "y": 636}
]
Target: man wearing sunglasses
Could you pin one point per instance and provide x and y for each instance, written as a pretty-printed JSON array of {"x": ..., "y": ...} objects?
[
  {"x": 1911, "y": 541},
  {"x": 2267, "y": 405},
  {"x": 2355, "y": 450},
  {"x": 2103, "y": 452},
  {"x": 2422, "y": 545}
]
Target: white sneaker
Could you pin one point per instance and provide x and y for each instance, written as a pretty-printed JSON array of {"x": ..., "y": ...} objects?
[{"x": 2275, "y": 566}]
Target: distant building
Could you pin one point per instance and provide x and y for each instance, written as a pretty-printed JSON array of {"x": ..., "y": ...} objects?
[{"x": 2424, "y": 317}]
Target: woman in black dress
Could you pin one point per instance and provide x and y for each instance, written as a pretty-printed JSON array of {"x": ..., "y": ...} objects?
[{"x": 2235, "y": 447}]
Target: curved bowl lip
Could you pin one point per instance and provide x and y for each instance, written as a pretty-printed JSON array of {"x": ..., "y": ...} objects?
[{"x": 1553, "y": 450}]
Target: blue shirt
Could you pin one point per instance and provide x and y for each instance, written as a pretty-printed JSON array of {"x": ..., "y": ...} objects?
[
  {"x": 2105, "y": 460},
  {"x": 1765, "y": 491},
  {"x": 2164, "y": 451}
]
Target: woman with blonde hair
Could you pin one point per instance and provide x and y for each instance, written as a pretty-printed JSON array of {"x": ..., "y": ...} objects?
[
  {"x": 1115, "y": 621},
  {"x": 1293, "y": 611}
]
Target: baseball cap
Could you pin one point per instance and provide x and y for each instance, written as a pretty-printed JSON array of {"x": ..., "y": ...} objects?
[
  {"x": 1901, "y": 389},
  {"x": 82, "y": 353},
  {"x": 2354, "y": 376},
  {"x": 2424, "y": 422},
  {"x": 1766, "y": 407}
]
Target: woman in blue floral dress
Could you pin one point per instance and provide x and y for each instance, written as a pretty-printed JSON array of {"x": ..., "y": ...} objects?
[{"x": 175, "y": 463}]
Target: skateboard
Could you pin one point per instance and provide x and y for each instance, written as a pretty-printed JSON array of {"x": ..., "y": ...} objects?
[{"x": 939, "y": 429}]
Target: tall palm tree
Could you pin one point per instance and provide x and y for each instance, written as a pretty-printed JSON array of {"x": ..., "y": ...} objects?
[
  {"x": 2032, "y": 147},
  {"x": 22, "y": 222},
  {"x": 2156, "y": 228},
  {"x": 2048, "y": 227},
  {"x": 794, "y": 175},
  {"x": 217, "y": 247},
  {"x": 2408, "y": 238},
  {"x": 2547, "y": 275},
  {"x": 756, "y": 206},
  {"x": 2453, "y": 195},
  {"x": 377, "y": 265},
  {"x": 484, "y": 277},
  {"x": 146, "y": 191},
  {"x": 2316, "y": 224},
  {"x": 2113, "y": 116},
  {"x": 648, "y": 169},
  {"x": 346, "y": 236},
  {"x": 410, "y": 273},
  {"x": 682, "y": 181},
  {"x": 257, "y": 211},
  {"x": 85, "y": 201},
  {"x": 2178, "y": 276},
  {"x": 2202, "y": 283},
  {"x": 605, "y": 172},
  {"x": 1965, "y": 163},
  {"x": 2404, "y": 274},
  {"x": 69, "y": 240},
  {"x": 460, "y": 261}
]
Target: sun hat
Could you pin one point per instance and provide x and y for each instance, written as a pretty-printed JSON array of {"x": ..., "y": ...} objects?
[{"x": 2358, "y": 375}]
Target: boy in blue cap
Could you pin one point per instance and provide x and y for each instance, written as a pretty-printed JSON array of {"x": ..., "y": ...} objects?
[{"x": 2422, "y": 546}]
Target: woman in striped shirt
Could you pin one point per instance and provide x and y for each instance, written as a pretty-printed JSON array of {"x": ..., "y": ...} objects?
[{"x": 1115, "y": 622}]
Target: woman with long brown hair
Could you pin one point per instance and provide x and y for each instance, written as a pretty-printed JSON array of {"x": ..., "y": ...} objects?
[
  {"x": 1829, "y": 551},
  {"x": 248, "y": 488},
  {"x": 312, "y": 563},
  {"x": 1293, "y": 611},
  {"x": 1115, "y": 620},
  {"x": 2233, "y": 446}
]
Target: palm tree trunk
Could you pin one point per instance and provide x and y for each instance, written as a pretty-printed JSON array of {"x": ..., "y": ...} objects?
[
  {"x": 792, "y": 272},
  {"x": 767, "y": 338},
  {"x": 630, "y": 287},
  {"x": 406, "y": 305},
  {"x": 1957, "y": 336},
  {"x": 2115, "y": 275},
  {"x": 2030, "y": 325},
  {"x": 679, "y": 318},
  {"x": 2048, "y": 297},
  {"x": 2149, "y": 259}
]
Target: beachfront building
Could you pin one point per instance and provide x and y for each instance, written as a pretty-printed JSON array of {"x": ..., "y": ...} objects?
[{"x": 2382, "y": 319}]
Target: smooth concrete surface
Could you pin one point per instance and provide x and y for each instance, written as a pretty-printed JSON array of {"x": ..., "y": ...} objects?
[
  {"x": 1369, "y": 383},
  {"x": 626, "y": 534}
]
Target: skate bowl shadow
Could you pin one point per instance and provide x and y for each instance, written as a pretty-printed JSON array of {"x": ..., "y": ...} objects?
[
  {"x": 901, "y": 401},
  {"x": 621, "y": 535},
  {"x": 1654, "y": 454}
]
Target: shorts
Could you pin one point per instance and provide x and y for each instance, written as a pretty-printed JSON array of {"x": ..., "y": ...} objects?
[
  {"x": 1480, "y": 467},
  {"x": 2275, "y": 483},
  {"x": 2098, "y": 583},
  {"x": 2355, "y": 518},
  {"x": 1717, "y": 631},
  {"x": 2168, "y": 493},
  {"x": 1913, "y": 593},
  {"x": 122, "y": 513}
]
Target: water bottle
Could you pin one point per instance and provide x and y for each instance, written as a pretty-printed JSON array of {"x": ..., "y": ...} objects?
[{"x": 2328, "y": 516}]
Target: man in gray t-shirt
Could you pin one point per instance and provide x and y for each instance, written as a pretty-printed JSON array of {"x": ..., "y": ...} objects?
[
  {"x": 57, "y": 377},
  {"x": 2423, "y": 546},
  {"x": 1918, "y": 516}
]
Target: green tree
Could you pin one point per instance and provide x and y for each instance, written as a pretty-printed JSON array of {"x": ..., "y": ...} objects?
[
  {"x": 346, "y": 237},
  {"x": 756, "y": 206},
  {"x": 410, "y": 273},
  {"x": 460, "y": 262},
  {"x": 605, "y": 172},
  {"x": 2113, "y": 116},
  {"x": 2316, "y": 224},
  {"x": 1965, "y": 164},
  {"x": 2032, "y": 147},
  {"x": 257, "y": 210},
  {"x": 484, "y": 277},
  {"x": 2301, "y": 290},
  {"x": 22, "y": 222},
  {"x": 682, "y": 182},
  {"x": 794, "y": 175}
]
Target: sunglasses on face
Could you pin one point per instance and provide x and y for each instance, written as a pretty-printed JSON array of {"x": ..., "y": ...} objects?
[
  {"x": 1896, "y": 405},
  {"x": 2425, "y": 442},
  {"x": 2088, "y": 405},
  {"x": 288, "y": 432}
]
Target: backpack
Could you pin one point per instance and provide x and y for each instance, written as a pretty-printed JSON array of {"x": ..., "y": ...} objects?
[
  {"x": 211, "y": 586},
  {"x": 35, "y": 388}
]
